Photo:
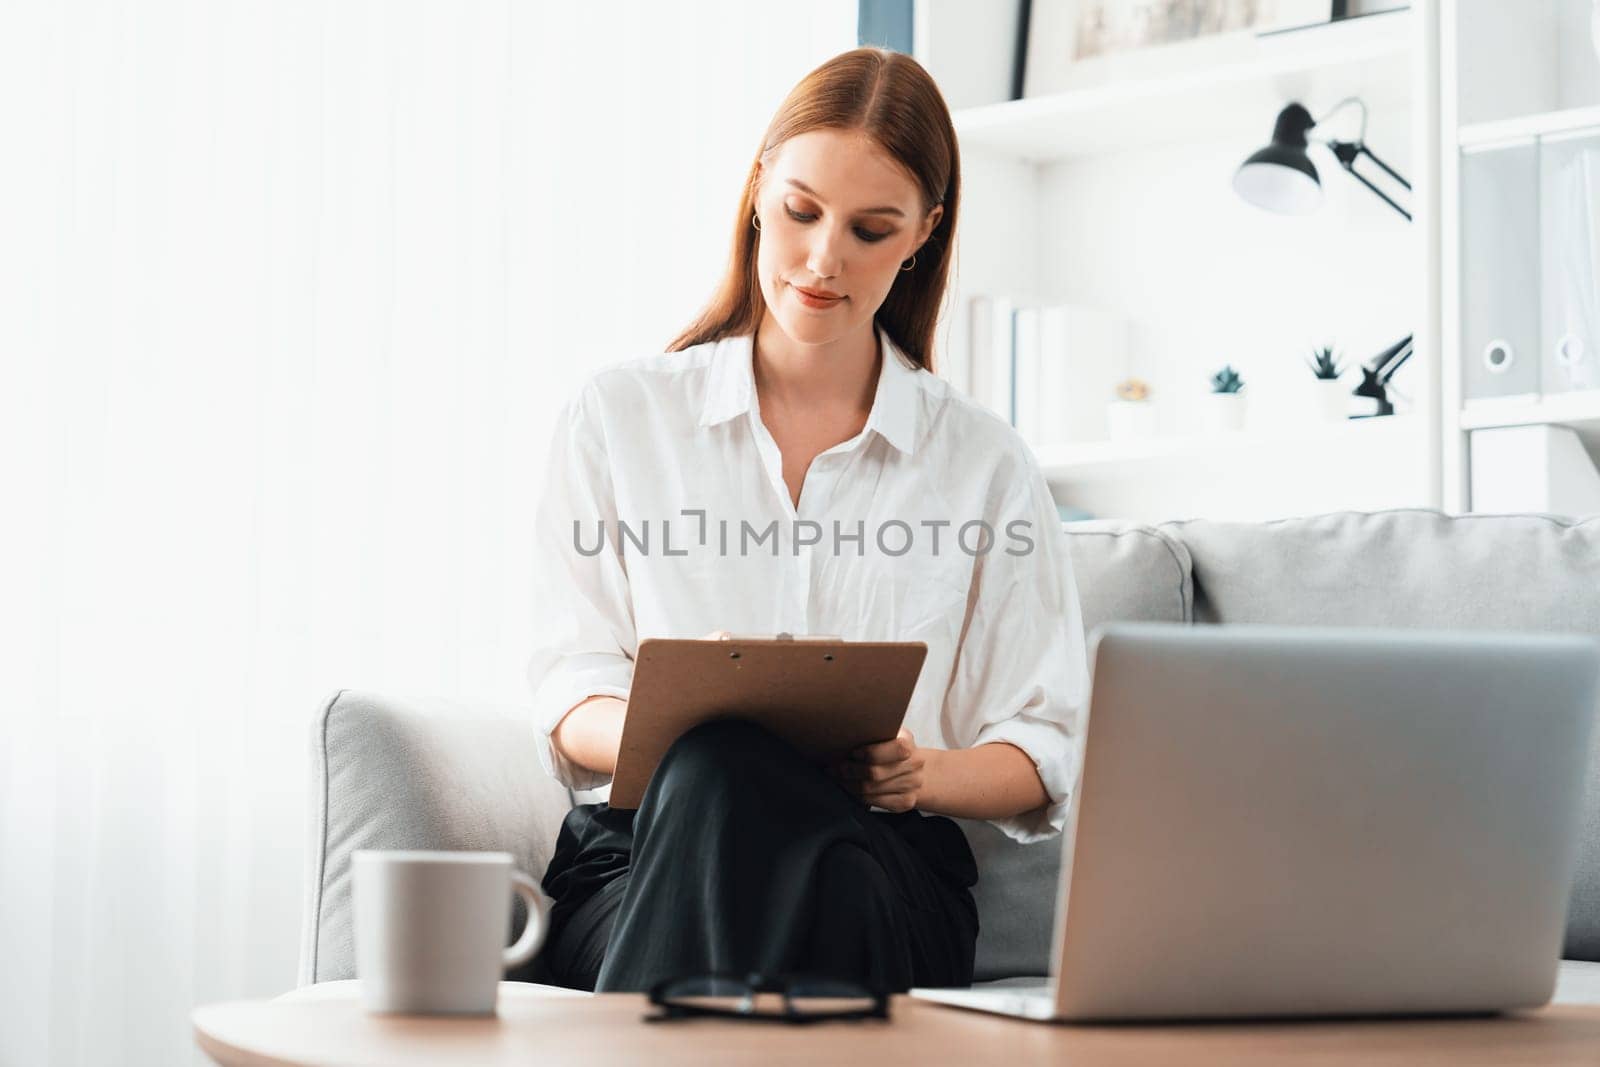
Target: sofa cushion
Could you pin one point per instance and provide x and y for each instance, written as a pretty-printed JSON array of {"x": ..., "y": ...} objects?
[
  {"x": 1416, "y": 569},
  {"x": 1405, "y": 568},
  {"x": 1125, "y": 573},
  {"x": 425, "y": 773}
]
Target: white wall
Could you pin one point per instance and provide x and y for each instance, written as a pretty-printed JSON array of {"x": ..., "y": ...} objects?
[{"x": 288, "y": 295}]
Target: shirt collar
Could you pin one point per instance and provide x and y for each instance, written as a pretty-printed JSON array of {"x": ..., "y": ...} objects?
[{"x": 730, "y": 390}]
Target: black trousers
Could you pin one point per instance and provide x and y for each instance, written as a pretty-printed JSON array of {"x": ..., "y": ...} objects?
[{"x": 744, "y": 856}]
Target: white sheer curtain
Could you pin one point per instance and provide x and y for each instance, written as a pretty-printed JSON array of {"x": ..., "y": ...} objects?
[{"x": 288, "y": 294}]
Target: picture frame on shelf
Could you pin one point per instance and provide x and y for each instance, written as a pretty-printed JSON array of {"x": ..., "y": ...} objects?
[
  {"x": 1108, "y": 26},
  {"x": 1074, "y": 44}
]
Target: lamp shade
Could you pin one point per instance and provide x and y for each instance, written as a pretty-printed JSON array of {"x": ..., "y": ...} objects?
[{"x": 1281, "y": 177}]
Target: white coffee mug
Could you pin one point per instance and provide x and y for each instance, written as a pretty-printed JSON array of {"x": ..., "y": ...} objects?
[{"x": 431, "y": 928}]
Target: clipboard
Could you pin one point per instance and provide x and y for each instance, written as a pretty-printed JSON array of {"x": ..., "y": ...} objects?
[{"x": 825, "y": 696}]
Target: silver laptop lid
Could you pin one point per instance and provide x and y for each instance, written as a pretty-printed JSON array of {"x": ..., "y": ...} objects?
[{"x": 1279, "y": 821}]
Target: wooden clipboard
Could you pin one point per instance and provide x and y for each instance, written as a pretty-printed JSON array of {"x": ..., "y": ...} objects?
[{"x": 822, "y": 695}]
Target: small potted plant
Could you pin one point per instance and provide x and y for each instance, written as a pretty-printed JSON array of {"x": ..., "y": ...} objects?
[
  {"x": 1130, "y": 417},
  {"x": 1330, "y": 398},
  {"x": 1224, "y": 411}
]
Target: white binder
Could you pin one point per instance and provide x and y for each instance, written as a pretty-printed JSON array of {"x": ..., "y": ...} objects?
[
  {"x": 1570, "y": 236},
  {"x": 1500, "y": 305}
]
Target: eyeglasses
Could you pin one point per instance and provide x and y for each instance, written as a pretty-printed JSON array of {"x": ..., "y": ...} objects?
[{"x": 800, "y": 998}]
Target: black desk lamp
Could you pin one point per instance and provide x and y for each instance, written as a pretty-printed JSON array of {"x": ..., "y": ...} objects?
[
  {"x": 1282, "y": 178},
  {"x": 1376, "y": 374}
]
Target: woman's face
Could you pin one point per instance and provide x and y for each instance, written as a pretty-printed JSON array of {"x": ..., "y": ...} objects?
[{"x": 838, "y": 217}]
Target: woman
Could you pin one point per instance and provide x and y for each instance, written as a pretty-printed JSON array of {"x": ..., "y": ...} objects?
[{"x": 807, "y": 473}]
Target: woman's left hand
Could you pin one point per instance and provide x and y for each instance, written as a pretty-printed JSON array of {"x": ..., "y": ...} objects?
[{"x": 888, "y": 775}]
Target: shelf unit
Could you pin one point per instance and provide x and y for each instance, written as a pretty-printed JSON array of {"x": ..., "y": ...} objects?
[
  {"x": 1509, "y": 75},
  {"x": 1226, "y": 90},
  {"x": 1478, "y": 74}
]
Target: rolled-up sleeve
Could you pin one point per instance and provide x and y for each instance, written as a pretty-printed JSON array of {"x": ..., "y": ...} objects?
[
  {"x": 1022, "y": 673},
  {"x": 585, "y": 636}
]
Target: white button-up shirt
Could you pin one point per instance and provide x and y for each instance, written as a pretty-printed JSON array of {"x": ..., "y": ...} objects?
[{"x": 933, "y": 524}]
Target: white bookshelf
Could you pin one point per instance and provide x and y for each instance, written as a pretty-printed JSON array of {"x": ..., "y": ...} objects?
[
  {"x": 1510, "y": 75},
  {"x": 1472, "y": 75},
  {"x": 1216, "y": 101}
]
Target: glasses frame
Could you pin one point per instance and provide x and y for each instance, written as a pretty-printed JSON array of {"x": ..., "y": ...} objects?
[{"x": 752, "y": 985}]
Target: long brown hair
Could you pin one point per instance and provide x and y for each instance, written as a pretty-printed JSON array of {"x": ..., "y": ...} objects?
[{"x": 892, "y": 99}]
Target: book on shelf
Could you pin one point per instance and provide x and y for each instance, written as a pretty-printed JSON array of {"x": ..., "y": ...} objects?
[
  {"x": 1058, "y": 359},
  {"x": 1067, "y": 359},
  {"x": 1048, "y": 370},
  {"x": 1029, "y": 409},
  {"x": 990, "y": 323}
]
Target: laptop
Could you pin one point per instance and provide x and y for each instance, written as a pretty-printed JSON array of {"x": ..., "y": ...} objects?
[{"x": 1316, "y": 822}]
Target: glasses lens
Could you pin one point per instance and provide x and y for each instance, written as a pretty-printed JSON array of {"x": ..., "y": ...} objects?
[
  {"x": 804, "y": 996},
  {"x": 826, "y": 996},
  {"x": 705, "y": 986},
  {"x": 709, "y": 991}
]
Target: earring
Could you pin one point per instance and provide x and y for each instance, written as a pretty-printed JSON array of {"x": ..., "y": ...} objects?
[
  {"x": 755, "y": 220},
  {"x": 910, "y": 263}
]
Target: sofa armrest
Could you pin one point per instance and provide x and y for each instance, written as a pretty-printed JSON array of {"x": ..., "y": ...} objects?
[{"x": 424, "y": 773}]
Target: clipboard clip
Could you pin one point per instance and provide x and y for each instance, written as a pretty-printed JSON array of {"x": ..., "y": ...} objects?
[{"x": 784, "y": 636}]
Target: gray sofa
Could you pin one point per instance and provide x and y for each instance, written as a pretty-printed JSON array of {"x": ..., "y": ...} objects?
[{"x": 438, "y": 774}]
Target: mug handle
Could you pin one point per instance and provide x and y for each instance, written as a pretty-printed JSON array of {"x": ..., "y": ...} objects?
[{"x": 538, "y": 920}]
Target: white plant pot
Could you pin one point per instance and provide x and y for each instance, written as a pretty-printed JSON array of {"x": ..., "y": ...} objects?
[
  {"x": 1223, "y": 412},
  {"x": 1330, "y": 399},
  {"x": 1130, "y": 420}
]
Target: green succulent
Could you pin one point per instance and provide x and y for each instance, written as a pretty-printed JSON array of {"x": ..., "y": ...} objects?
[
  {"x": 1227, "y": 380},
  {"x": 1324, "y": 365}
]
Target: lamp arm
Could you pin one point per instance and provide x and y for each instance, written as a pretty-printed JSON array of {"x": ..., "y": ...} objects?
[
  {"x": 1385, "y": 363},
  {"x": 1390, "y": 171},
  {"x": 1380, "y": 193},
  {"x": 1398, "y": 362},
  {"x": 1346, "y": 152}
]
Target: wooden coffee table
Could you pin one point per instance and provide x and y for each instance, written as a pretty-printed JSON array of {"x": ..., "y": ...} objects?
[{"x": 540, "y": 1025}]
